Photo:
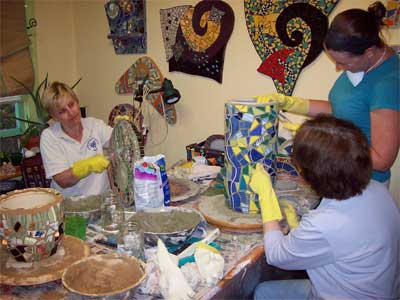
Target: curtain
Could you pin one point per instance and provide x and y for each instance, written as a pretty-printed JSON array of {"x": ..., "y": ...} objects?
[{"x": 15, "y": 58}]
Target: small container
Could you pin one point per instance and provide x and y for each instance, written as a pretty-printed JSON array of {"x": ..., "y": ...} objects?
[
  {"x": 112, "y": 216},
  {"x": 75, "y": 226},
  {"x": 130, "y": 240}
]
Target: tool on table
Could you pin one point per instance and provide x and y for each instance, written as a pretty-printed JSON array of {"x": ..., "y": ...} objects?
[
  {"x": 284, "y": 117},
  {"x": 106, "y": 243},
  {"x": 288, "y": 124},
  {"x": 208, "y": 239}
]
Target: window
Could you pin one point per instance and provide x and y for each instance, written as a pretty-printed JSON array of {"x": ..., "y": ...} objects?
[{"x": 10, "y": 108}]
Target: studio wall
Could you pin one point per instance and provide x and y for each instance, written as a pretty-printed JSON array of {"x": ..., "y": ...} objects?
[{"x": 72, "y": 42}]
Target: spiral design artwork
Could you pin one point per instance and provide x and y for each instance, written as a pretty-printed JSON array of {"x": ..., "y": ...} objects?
[
  {"x": 315, "y": 20},
  {"x": 287, "y": 36},
  {"x": 195, "y": 38}
]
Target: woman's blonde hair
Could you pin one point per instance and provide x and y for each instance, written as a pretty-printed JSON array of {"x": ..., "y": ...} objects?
[{"x": 54, "y": 95}]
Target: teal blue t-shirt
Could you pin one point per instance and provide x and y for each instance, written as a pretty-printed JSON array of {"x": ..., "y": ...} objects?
[{"x": 379, "y": 89}]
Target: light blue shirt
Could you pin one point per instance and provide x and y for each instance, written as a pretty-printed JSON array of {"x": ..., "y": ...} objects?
[
  {"x": 379, "y": 89},
  {"x": 350, "y": 249}
]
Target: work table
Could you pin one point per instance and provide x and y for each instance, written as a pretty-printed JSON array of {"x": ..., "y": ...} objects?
[{"x": 244, "y": 265}]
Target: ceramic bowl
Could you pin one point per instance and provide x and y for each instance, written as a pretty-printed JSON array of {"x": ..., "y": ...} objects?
[
  {"x": 87, "y": 207},
  {"x": 104, "y": 275},
  {"x": 173, "y": 225}
]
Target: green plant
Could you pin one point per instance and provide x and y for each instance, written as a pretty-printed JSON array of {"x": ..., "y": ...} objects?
[{"x": 36, "y": 127}]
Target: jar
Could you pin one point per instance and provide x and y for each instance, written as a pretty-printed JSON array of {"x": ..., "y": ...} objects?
[
  {"x": 112, "y": 214},
  {"x": 130, "y": 240}
]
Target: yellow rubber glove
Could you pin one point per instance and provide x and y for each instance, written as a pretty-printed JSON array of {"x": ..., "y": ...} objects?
[
  {"x": 291, "y": 104},
  {"x": 84, "y": 167},
  {"x": 120, "y": 117},
  {"x": 290, "y": 214},
  {"x": 291, "y": 127},
  {"x": 260, "y": 183}
]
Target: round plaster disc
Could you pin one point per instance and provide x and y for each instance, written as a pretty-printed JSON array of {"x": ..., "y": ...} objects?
[
  {"x": 126, "y": 148},
  {"x": 46, "y": 270}
]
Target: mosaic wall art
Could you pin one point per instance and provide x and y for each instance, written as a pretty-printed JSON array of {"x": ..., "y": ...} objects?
[
  {"x": 146, "y": 71},
  {"x": 127, "y": 22},
  {"x": 195, "y": 38},
  {"x": 287, "y": 36},
  {"x": 251, "y": 136},
  {"x": 392, "y": 19}
]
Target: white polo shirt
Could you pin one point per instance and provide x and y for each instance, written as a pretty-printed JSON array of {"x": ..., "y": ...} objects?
[{"x": 59, "y": 152}]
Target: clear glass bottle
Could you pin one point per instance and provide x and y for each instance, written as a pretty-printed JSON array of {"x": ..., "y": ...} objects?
[
  {"x": 130, "y": 240},
  {"x": 112, "y": 214}
]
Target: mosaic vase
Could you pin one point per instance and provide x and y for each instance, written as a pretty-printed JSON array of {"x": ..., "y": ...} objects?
[
  {"x": 251, "y": 136},
  {"x": 31, "y": 223}
]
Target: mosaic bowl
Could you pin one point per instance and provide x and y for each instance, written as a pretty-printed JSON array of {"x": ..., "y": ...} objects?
[
  {"x": 87, "y": 207},
  {"x": 31, "y": 223},
  {"x": 173, "y": 225},
  {"x": 105, "y": 275}
]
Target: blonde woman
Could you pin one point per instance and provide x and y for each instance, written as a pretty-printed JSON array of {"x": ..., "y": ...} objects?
[{"x": 72, "y": 147}]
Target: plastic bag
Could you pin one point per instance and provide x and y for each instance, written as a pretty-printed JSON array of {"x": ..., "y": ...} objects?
[
  {"x": 151, "y": 178},
  {"x": 147, "y": 185},
  {"x": 160, "y": 161}
]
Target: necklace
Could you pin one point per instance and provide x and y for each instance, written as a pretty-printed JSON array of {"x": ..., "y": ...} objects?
[{"x": 378, "y": 61}]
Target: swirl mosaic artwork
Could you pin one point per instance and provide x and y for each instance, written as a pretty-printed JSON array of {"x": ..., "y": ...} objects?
[
  {"x": 287, "y": 36},
  {"x": 195, "y": 38}
]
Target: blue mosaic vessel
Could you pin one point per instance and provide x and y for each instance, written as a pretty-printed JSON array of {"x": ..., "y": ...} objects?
[{"x": 251, "y": 136}]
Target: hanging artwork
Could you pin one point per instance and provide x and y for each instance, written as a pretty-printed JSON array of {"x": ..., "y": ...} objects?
[
  {"x": 145, "y": 71},
  {"x": 195, "y": 38},
  {"x": 127, "y": 22},
  {"x": 392, "y": 18},
  {"x": 287, "y": 35}
]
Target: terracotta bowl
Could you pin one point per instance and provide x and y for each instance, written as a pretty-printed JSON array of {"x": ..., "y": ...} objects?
[
  {"x": 173, "y": 225},
  {"x": 104, "y": 275}
]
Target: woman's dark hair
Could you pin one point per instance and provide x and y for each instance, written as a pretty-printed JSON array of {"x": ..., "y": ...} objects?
[
  {"x": 333, "y": 157},
  {"x": 356, "y": 30}
]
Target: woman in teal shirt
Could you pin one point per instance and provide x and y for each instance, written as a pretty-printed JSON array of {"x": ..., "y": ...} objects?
[{"x": 368, "y": 90}]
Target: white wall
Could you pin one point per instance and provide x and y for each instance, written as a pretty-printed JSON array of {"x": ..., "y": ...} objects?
[{"x": 72, "y": 42}]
